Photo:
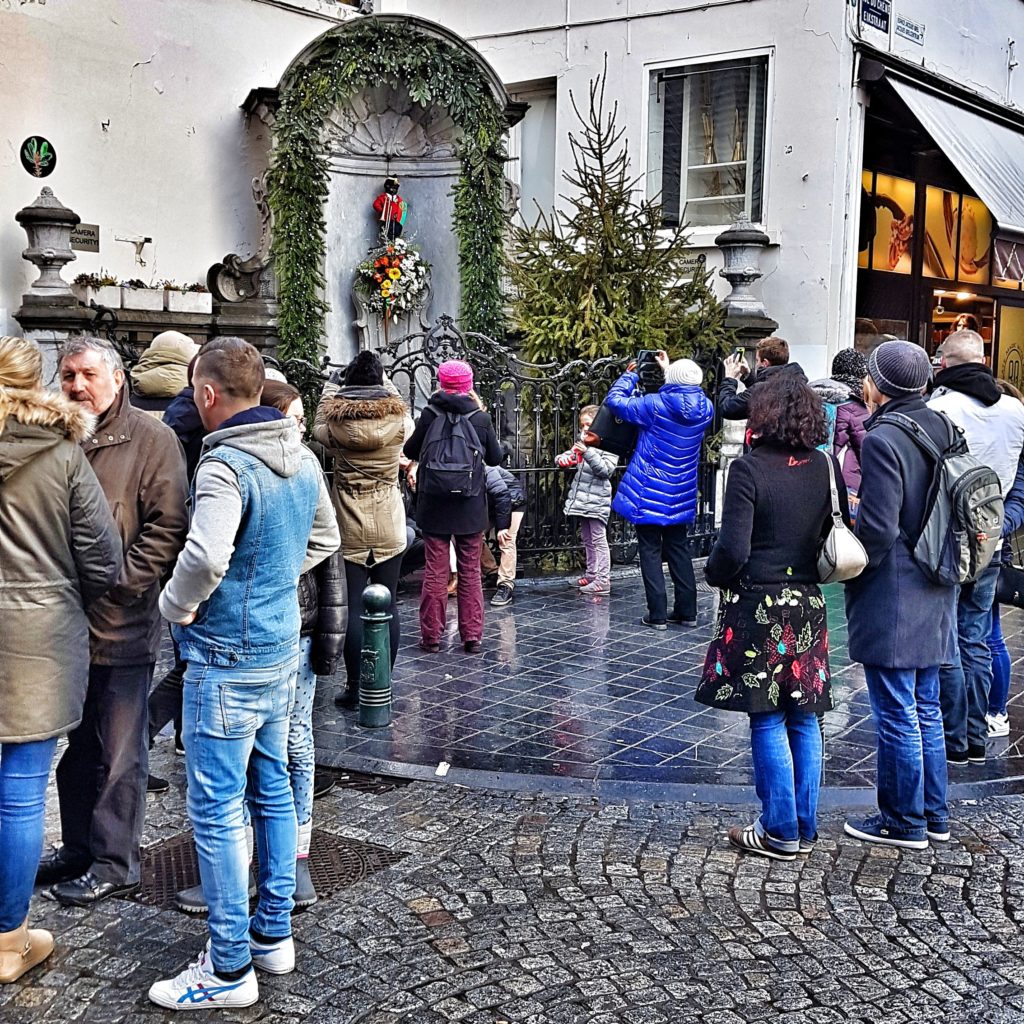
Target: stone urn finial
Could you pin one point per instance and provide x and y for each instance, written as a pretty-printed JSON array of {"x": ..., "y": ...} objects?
[
  {"x": 742, "y": 245},
  {"x": 48, "y": 224}
]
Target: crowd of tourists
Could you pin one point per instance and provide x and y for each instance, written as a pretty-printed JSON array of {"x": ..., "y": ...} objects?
[{"x": 185, "y": 495}]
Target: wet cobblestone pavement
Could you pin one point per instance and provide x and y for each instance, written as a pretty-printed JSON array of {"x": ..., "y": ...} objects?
[
  {"x": 544, "y": 910},
  {"x": 574, "y": 690}
]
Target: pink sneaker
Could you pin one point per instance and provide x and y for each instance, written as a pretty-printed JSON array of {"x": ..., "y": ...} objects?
[
  {"x": 596, "y": 587},
  {"x": 580, "y": 583}
]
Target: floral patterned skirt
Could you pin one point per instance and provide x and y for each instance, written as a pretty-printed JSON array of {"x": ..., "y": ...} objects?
[{"x": 770, "y": 651}]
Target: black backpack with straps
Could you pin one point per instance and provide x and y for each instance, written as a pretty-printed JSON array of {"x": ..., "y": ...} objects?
[{"x": 451, "y": 459}]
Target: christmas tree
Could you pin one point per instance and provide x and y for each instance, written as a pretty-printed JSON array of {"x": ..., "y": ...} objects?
[{"x": 603, "y": 277}]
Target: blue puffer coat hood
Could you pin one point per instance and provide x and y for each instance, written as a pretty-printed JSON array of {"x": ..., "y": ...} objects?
[{"x": 659, "y": 487}]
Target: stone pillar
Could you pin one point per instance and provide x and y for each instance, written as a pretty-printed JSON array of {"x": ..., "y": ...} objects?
[
  {"x": 742, "y": 245},
  {"x": 746, "y": 316}
]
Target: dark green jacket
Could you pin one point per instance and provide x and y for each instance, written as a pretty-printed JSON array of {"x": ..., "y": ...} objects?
[{"x": 59, "y": 552}]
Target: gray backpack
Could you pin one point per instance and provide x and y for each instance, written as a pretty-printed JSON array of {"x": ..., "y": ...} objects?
[{"x": 963, "y": 521}]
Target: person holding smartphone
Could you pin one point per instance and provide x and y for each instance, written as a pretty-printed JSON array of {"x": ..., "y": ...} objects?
[
  {"x": 771, "y": 359},
  {"x": 658, "y": 492}
]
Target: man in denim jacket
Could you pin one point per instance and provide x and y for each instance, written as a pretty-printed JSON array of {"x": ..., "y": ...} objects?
[{"x": 261, "y": 516}]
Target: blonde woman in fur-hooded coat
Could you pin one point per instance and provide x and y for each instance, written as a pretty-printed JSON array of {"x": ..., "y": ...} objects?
[{"x": 59, "y": 551}]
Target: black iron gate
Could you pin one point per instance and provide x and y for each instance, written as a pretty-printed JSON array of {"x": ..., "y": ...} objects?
[{"x": 535, "y": 409}]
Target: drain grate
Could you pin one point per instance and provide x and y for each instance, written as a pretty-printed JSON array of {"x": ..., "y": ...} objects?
[
  {"x": 361, "y": 782},
  {"x": 334, "y": 863}
]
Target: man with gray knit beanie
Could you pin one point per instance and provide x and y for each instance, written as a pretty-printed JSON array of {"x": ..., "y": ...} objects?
[{"x": 900, "y": 622}]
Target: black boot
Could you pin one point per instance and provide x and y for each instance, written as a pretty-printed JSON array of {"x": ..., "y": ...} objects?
[{"x": 305, "y": 894}]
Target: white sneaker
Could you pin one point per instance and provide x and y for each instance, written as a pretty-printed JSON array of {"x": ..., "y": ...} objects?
[
  {"x": 998, "y": 725},
  {"x": 277, "y": 958},
  {"x": 198, "y": 988}
]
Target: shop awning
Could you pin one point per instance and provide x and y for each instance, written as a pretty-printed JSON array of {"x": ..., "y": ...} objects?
[{"x": 989, "y": 155}]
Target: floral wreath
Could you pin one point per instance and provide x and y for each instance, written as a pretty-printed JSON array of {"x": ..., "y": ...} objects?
[{"x": 393, "y": 279}]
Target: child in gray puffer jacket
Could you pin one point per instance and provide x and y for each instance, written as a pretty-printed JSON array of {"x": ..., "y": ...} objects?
[{"x": 590, "y": 500}]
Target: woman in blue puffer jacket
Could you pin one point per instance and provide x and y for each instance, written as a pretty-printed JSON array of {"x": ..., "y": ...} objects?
[{"x": 658, "y": 493}]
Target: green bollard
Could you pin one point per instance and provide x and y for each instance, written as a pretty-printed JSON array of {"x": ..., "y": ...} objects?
[{"x": 375, "y": 660}]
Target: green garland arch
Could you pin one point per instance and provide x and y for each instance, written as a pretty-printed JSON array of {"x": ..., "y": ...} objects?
[{"x": 366, "y": 53}]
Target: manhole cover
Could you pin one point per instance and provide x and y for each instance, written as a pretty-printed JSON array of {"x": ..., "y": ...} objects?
[
  {"x": 362, "y": 782},
  {"x": 334, "y": 863}
]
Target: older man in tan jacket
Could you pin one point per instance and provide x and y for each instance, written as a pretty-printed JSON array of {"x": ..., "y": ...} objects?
[{"x": 101, "y": 778}]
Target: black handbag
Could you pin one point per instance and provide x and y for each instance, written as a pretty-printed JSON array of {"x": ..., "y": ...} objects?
[
  {"x": 1010, "y": 586},
  {"x": 616, "y": 435}
]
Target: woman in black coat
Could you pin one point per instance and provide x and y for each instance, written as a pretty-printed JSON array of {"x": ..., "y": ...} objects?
[
  {"x": 769, "y": 657},
  {"x": 447, "y": 518}
]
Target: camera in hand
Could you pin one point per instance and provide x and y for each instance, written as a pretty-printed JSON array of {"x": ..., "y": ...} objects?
[{"x": 649, "y": 370}]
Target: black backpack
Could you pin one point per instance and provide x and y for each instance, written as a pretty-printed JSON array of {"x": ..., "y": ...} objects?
[
  {"x": 451, "y": 462},
  {"x": 963, "y": 520}
]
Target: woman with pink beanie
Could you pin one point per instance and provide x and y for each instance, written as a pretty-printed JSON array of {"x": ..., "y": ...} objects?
[{"x": 453, "y": 440}]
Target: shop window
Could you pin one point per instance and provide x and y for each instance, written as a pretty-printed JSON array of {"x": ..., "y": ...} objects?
[
  {"x": 957, "y": 241},
  {"x": 887, "y": 223},
  {"x": 1007, "y": 263},
  {"x": 706, "y": 141}
]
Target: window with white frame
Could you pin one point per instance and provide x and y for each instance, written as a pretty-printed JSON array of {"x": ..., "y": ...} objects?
[
  {"x": 705, "y": 146},
  {"x": 531, "y": 166}
]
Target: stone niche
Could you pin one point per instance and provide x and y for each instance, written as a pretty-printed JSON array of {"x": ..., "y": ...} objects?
[{"x": 377, "y": 133}]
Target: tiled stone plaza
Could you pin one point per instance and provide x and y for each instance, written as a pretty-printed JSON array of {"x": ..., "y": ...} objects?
[
  {"x": 624, "y": 905},
  {"x": 572, "y": 692}
]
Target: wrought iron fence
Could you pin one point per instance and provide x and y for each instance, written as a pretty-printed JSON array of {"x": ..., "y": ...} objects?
[{"x": 535, "y": 407}]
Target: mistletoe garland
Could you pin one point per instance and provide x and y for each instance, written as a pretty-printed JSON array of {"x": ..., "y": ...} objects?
[{"x": 374, "y": 52}]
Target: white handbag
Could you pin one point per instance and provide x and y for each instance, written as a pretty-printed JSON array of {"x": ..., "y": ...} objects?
[{"x": 841, "y": 556}]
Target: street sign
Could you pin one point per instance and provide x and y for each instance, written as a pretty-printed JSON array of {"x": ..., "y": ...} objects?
[
  {"x": 875, "y": 14},
  {"x": 86, "y": 238},
  {"x": 912, "y": 30}
]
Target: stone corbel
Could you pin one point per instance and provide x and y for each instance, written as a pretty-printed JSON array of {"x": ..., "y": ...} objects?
[{"x": 235, "y": 279}]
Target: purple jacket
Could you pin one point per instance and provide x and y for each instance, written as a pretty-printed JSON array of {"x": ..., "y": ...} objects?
[{"x": 850, "y": 417}]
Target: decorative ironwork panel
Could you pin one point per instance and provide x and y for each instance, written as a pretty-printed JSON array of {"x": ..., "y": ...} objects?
[{"x": 535, "y": 408}]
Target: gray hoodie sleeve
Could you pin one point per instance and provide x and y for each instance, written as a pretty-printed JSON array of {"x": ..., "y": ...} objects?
[
  {"x": 325, "y": 537},
  {"x": 210, "y": 543}
]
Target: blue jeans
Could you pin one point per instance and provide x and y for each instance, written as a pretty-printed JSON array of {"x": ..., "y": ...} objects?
[
  {"x": 965, "y": 684},
  {"x": 301, "y": 756},
  {"x": 1000, "y": 666},
  {"x": 24, "y": 771},
  {"x": 911, "y": 777},
  {"x": 235, "y": 726},
  {"x": 786, "y": 749}
]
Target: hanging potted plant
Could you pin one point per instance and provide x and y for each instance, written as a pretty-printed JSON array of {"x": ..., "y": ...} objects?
[
  {"x": 188, "y": 298},
  {"x": 136, "y": 294},
  {"x": 101, "y": 288}
]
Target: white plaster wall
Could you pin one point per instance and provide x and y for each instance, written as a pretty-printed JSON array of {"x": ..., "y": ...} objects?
[
  {"x": 967, "y": 43},
  {"x": 141, "y": 100},
  {"x": 809, "y": 112}
]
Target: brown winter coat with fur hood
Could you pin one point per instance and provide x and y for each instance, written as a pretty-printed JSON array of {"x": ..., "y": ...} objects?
[
  {"x": 364, "y": 429},
  {"x": 59, "y": 551}
]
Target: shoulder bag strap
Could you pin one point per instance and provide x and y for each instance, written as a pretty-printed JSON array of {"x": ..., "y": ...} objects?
[{"x": 834, "y": 490}]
